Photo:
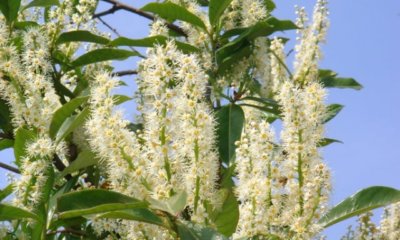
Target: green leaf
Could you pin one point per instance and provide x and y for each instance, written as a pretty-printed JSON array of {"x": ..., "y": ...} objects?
[
  {"x": 203, "y": 3},
  {"x": 119, "y": 99},
  {"x": 230, "y": 124},
  {"x": 64, "y": 112},
  {"x": 104, "y": 54},
  {"x": 281, "y": 25},
  {"x": 359, "y": 203},
  {"x": 270, "y": 5},
  {"x": 6, "y": 143},
  {"x": 173, "y": 205},
  {"x": 94, "y": 201},
  {"x": 227, "y": 218},
  {"x": 71, "y": 124},
  {"x": 172, "y": 12},
  {"x": 189, "y": 231},
  {"x": 10, "y": 9},
  {"x": 152, "y": 41},
  {"x": 8, "y": 212},
  {"x": 81, "y": 36},
  {"x": 41, "y": 3},
  {"x": 268, "y": 105},
  {"x": 22, "y": 137},
  {"x": 216, "y": 9},
  {"x": 84, "y": 159},
  {"x": 333, "y": 82},
  {"x": 141, "y": 215},
  {"x": 229, "y": 61},
  {"x": 6, "y": 192},
  {"x": 327, "y": 141},
  {"x": 329, "y": 79},
  {"x": 331, "y": 111},
  {"x": 25, "y": 25}
]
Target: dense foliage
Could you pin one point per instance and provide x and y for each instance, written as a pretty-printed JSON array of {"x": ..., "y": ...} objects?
[{"x": 203, "y": 159}]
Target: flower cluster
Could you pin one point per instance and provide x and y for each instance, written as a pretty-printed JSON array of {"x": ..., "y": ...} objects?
[{"x": 179, "y": 128}]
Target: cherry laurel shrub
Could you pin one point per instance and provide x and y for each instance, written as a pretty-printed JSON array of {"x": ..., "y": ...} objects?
[{"x": 202, "y": 160}]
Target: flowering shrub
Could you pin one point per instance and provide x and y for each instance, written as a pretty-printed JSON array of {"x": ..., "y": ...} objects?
[{"x": 204, "y": 159}]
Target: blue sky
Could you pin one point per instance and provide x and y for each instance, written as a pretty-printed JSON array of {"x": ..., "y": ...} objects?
[{"x": 363, "y": 42}]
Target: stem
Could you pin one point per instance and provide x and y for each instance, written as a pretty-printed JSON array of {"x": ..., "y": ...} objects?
[
  {"x": 300, "y": 175},
  {"x": 282, "y": 63},
  {"x": 121, "y": 6},
  {"x": 10, "y": 168},
  {"x": 167, "y": 165}
]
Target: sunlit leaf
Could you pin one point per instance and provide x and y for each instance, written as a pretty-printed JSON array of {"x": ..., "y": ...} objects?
[
  {"x": 81, "y": 36},
  {"x": 172, "y": 12},
  {"x": 76, "y": 204},
  {"x": 8, "y": 212},
  {"x": 64, "y": 112},
  {"x": 101, "y": 55},
  {"x": 41, "y": 3},
  {"x": 359, "y": 203}
]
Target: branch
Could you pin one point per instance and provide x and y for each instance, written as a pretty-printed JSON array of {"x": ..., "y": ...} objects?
[
  {"x": 121, "y": 6},
  {"x": 10, "y": 168},
  {"x": 123, "y": 73}
]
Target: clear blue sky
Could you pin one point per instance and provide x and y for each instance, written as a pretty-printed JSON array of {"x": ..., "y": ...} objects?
[{"x": 363, "y": 42}]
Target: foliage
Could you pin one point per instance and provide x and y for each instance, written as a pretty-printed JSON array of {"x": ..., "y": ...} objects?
[{"x": 203, "y": 160}]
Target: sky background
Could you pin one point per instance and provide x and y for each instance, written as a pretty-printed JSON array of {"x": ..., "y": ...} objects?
[{"x": 363, "y": 43}]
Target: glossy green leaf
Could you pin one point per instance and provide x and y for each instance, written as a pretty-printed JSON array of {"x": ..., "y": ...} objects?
[
  {"x": 336, "y": 82},
  {"x": 216, "y": 9},
  {"x": 101, "y": 55},
  {"x": 281, "y": 25},
  {"x": 81, "y": 36},
  {"x": 173, "y": 205},
  {"x": 8, "y": 212},
  {"x": 10, "y": 9},
  {"x": 64, "y": 112},
  {"x": 232, "y": 58},
  {"x": 359, "y": 203},
  {"x": 140, "y": 214},
  {"x": 6, "y": 143},
  {"x": 329, "y": 79},
  {"x": 327, "y": 141},
  {"x": 331, "y": 112},
  {"x": 197, "y": 232},
  {"x": 71, "y": 123},
  {"x": 6, "y": 192},
  {"x": 227, "y": 217},
  {"x": 152, "y": 41},
  {"x": 84, "y": 159},
  {"x": 172, "y": 12},
  {"x": 268, "y": 105},
  {"x": 22, "y": 137},
  {"x": 94, "y": 201},
  {"x": 270, "y": 5},
  {"x": 41, "y": 3},
  {"x": 230, "y": 124},
  {"x": 119, "y": 99}
]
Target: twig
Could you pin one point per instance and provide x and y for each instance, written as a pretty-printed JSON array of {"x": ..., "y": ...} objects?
[
  {"x": 4, "y": 135},
  {"x": 121, "y": 6},
  {"x": 9, "y": 168},
  {"x": 112, "y": 29},
  {"x": 123, "y": 73}
]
